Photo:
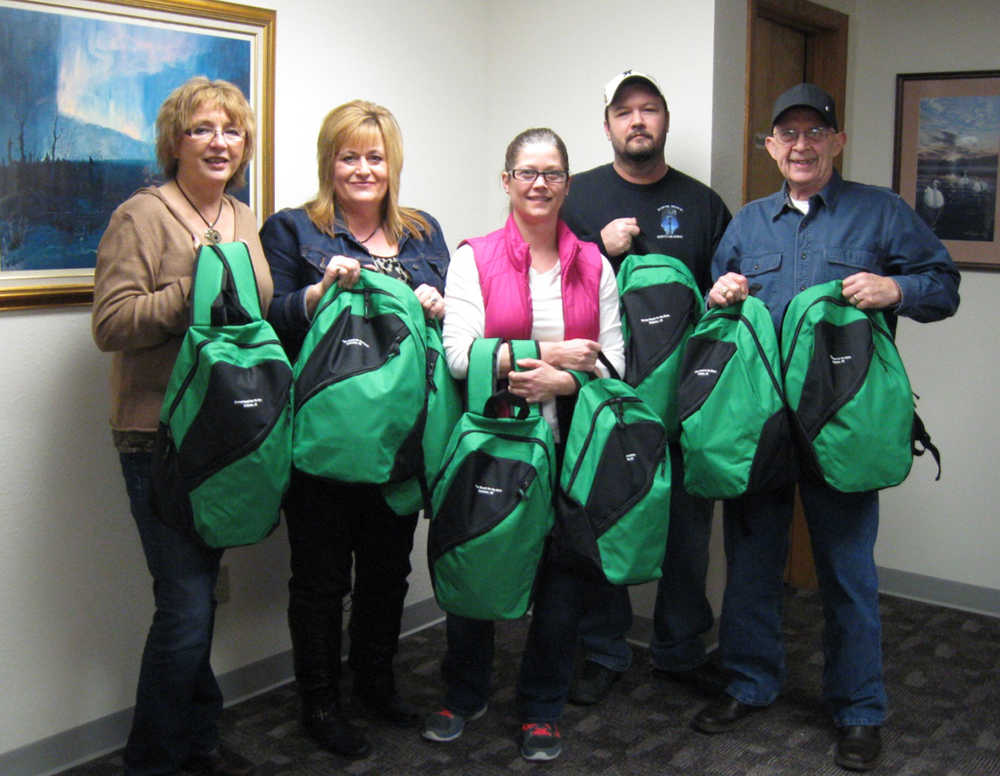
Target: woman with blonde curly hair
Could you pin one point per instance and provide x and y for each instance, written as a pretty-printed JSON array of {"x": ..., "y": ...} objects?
[{"x": 142, "y": 286}]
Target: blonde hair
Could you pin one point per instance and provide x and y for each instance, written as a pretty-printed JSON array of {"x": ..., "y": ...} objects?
[
  {"x": 183, "y": 102},
  {"x": 362, "y": 122}
]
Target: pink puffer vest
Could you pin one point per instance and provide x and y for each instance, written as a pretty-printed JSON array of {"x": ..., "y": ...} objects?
[{"x": 503, "y": 259}]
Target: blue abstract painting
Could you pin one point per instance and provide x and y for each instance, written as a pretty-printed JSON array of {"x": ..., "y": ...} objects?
[{"x": 80, "y": 96}]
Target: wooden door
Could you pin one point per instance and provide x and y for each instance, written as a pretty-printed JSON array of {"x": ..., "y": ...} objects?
[{"x": 788, "y": 41}]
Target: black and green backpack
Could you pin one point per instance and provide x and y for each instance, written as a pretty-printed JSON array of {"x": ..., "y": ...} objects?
[
  {"x": 660, "y": 304},
  {"x": 444, "y": 408},
  {"x": 848, "y": 392},
  {"x": 492, "y": 502},
  {"x": 613, "y": 504},
  {"x": 222, "y": 458},
  {"x": 360, "y": 384},
  {"x": 735, "y": 434}
]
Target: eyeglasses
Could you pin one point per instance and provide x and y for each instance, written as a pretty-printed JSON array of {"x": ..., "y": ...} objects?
[
  {"x": 789, "y": 136},
  {"x": 206, "y": 133},
  {"x": 526, "y": 175}
]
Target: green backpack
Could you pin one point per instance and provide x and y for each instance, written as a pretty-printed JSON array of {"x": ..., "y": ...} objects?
[
  {"x": 444, "y": 408},
  {"x": 222, "y": 458},
  {"x": 360, "y": 385},
  {"x": 613, "y": 505},
  {"x": 848, "y": 392},
  {"x": 735, "y": 434},
  {"x": 492, "y": 500},
  {"x": 660, "y": 304}
]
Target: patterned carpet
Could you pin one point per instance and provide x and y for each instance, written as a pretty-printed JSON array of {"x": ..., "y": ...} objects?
[{"x": 942, "y": 672}]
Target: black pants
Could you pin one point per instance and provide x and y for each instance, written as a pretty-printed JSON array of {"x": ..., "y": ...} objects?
[{"x": 332, "y": 529}]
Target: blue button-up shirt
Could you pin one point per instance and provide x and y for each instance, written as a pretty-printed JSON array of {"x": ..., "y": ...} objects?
[
  {"x": 298, "y": 253},
  {"x": 851, "y": 227}
]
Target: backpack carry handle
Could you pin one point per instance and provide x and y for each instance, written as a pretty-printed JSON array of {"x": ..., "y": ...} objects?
[
  {"x": 612, "y": 372},
  {"x": 481, "y": 377},
  {"x": 221, "y": 296},
  {"x": 484, "y": 394},
  {"x": 522, "y": 349}
]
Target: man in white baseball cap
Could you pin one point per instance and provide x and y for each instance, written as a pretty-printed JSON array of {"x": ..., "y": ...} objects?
[{"x": 639, "y": 204}]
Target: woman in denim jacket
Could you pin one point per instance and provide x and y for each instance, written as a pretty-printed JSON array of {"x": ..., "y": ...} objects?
[{"x": 354, "y": 221}]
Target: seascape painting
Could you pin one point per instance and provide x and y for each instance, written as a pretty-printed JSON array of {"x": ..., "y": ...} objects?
[
  {"x": 957, "y": 154},
  {"x": 80, "y": 94}
]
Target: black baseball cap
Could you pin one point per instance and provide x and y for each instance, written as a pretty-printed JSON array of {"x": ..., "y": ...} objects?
[{"x": 806, "y": 96}]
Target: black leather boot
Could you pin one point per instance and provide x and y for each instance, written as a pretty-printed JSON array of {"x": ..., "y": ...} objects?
[
  {"x": 375, "y": 687},
  {"x": 316, "y": 635},
  {"x": 328, "y": 727}
]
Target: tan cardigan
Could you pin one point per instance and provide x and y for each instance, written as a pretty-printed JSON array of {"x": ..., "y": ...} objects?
[{"x": 142, "y": 282}]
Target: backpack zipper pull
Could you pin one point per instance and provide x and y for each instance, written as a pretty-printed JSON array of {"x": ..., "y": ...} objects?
[{"x": 619, "y": 409}]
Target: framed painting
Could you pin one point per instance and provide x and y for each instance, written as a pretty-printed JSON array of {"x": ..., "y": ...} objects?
[
  {"x": 81, "y": 82},
  {"x": 945, "y": 159}
]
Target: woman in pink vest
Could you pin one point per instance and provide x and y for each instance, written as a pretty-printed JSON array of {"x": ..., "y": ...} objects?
[{"x": 532, "y": 279}]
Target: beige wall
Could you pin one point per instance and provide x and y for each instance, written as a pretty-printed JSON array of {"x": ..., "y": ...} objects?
[{"x": 943, "y": 529}]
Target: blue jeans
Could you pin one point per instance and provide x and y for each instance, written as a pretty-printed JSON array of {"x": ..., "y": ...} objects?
[
  {"x": 547, "y": 662},
  {"x": 178, "y": 701},
  {"x": 682, "y": 612},
  {"x": 842, "y": 527}
]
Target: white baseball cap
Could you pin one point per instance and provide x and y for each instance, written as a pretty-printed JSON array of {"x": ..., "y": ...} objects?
[{"x": 629, "y": 75}]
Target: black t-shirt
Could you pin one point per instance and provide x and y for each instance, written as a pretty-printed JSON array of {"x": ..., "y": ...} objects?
[{"x": 678, "y": 215}]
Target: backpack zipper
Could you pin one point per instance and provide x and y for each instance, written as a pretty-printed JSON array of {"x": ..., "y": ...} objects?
[
  {"x": 182, "y": 388},
  {"x": 615, "y": 403}
]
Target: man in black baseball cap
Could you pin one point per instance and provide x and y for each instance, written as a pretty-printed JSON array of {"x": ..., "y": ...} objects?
[{"x": 817, "y": 228}]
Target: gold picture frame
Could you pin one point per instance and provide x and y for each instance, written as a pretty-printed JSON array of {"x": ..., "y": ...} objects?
[
  {"x": 165, "y": 32},
  {"x": 946, "y": 159}
]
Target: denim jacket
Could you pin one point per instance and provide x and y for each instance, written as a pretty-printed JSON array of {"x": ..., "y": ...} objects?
[
  {"x": 298, "y": 253},
  {"x": 851, "y": 227}
]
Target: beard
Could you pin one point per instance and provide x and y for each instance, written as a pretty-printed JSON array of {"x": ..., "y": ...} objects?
[{"x": 643, "y": 154}]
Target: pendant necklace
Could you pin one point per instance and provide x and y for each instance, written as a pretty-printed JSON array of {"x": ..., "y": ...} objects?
[{"x": 212, "y": 236}]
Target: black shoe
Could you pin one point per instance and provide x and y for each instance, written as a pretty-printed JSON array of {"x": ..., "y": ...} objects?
[
  {"x": 219, "y": 762},
  {"x": 389, "y": 708},
  {"x": 859, "y": 747},
  {"x": 329, "y": 728},
  {"x": 708, "y": 677},
  {"x": 593, "y": 684},
  {"x": 722, "y": 715}
]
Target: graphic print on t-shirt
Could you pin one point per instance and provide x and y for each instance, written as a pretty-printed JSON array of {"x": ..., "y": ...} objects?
[{"x": 670, "y": 222}]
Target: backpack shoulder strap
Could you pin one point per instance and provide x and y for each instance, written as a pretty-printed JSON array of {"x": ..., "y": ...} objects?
[
  {"x": 224, "y": 292},
  {"x": 919, "y": 436}
]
